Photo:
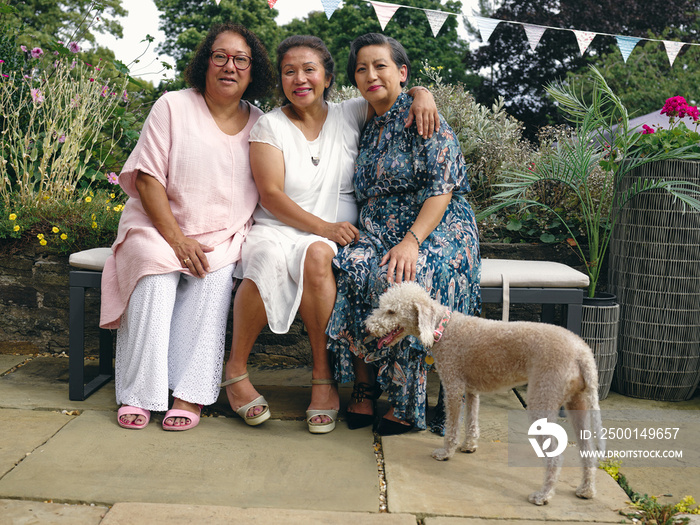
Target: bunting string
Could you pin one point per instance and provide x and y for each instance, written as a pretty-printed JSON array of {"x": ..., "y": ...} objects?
[{"x": 533, "y": 32}]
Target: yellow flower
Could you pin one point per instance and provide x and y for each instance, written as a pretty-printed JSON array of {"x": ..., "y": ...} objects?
[
  {"x": 64, "y": 236},
  {"x": 40, "y": 236},
  {"x": 93, "y": 217},
  {"x": 55, "y": 229},
  {"x": 111, "y": 195},
  {"x": 16, "y": 228},
  {"x": 88, "y": 199},
  {"x": 119, "y": 207},
  {"x": 94, "y": 225},
  {"x": 13, "y": 217},
  {"x": 42, "y": 242}
]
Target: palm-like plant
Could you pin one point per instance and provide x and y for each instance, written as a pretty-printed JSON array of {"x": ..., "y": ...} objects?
[{"x": 602, "y": 140}]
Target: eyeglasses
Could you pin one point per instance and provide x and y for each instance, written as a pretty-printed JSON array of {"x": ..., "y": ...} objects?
[{"x": 240, "y": 62}]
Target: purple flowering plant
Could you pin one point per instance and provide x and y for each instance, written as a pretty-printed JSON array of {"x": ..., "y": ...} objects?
[{"x": 677, "y": 134}]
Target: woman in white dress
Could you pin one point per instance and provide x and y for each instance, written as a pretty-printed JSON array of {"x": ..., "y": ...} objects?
[{"x": 302, "y": 158}]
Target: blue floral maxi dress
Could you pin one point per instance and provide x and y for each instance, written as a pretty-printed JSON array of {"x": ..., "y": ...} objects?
[{"x": 395, "y": 173}]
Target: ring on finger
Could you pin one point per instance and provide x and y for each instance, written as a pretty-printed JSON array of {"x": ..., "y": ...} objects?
[{"x": 186, "y": 261}]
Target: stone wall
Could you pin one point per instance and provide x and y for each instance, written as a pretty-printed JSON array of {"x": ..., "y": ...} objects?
[{"x": 34, "y": 299}]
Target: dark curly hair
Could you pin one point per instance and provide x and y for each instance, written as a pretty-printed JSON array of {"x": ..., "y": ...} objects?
[
  {"x": 398, "y": 53},
  {"x": 262, "y": 74},
  {"x": 314, "y": 43}
]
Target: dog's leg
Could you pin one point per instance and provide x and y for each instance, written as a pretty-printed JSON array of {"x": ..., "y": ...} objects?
[
  {"x": 552, "y": 464},
  {"x": 471, "y": 424},
  {"x": 453, "y": 405},
  {"x": 580, "y": 418}
]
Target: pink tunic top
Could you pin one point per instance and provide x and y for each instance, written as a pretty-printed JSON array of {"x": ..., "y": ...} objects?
[{"x": 207, "y": 178}]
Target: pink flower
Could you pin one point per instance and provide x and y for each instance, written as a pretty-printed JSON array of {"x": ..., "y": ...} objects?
[
  {"x": 23, "y": 48},
  {"x": 2, "y": 61},
  {"x": 112, "y": 178},
  {"x": 37, "y": 96},
  {"x": 647, "y": 130},
  {"x": 62, "y": 138},
  {"x": 37, "y": 52},
  {"x": 125, "y": 96},
  {"x": 74, "y": 47}
]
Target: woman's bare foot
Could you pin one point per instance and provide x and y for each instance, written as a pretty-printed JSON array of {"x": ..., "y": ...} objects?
[
  {"x": 132, "y": 419},
  {"x": 179, "y": 404},
  {"x": 324, "y": 397},
  {"x": 240, "y": 394}
]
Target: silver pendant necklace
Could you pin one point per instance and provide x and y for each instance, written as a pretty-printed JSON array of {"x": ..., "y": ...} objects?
[{"x": 315, "y": 159}]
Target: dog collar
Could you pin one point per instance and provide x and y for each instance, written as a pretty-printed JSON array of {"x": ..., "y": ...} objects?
[{"x": 437, "y": 334}]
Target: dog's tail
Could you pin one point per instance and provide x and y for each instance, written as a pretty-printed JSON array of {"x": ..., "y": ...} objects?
[{"x": 589, "y": 371}]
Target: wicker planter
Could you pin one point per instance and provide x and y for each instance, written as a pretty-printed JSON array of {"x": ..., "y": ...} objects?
[
  {"x": 599, "y": 328},
  {"x": 654, "y": 270}
]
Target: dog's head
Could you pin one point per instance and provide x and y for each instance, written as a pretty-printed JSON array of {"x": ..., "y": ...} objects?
[{"x": 405, "y": 309}]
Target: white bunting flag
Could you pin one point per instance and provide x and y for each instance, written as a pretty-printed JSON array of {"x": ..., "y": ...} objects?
[
  {"x": 217, "y": 2},
  {"x": 626, "y": 45},
  {"x": 672, "y": 49},
  {"x": 534, "y": 33},
  {"x": 384, "y": 12},
  {"x": 486, "y": 26},
  {"x": 436, "y": 19},
  {"x": 329, "y": 6},
  {"x": 584, "y": 39}
]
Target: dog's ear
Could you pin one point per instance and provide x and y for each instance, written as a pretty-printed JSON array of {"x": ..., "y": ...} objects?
[{"x": 426, "y": 322}]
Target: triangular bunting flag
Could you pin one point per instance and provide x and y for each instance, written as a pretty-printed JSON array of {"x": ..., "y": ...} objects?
[
  {"x": 584, "y": 39},
  {"x": 626, "y": 45},
  {"x": 329, "y": 6},
  {"x": 534, "y": 33},
  {"x": 486, "y": 26},
  {"x": 672, "y": 49},
  {"x": 384, "y": 12},
  {"x": 271, "y": 3},
  {"x": 436, "y": 19},
  {"x": 217, "y": 2}
]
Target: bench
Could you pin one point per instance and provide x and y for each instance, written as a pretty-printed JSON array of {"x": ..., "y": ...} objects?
[{"x": 502, "y": 281}]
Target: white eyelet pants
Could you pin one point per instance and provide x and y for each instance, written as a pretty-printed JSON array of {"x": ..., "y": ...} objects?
[{"x": 172, "y": 337}]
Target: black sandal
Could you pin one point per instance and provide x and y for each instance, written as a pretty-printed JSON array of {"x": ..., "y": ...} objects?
[{"x": 360, "y": 392}]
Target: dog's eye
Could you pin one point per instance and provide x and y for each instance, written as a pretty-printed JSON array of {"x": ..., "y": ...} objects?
[{"x": 390, "y": 312}]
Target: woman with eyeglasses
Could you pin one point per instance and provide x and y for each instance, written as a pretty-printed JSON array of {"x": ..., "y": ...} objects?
[
  {"x": 302, "y": 157},
  {"x": 167, "y": 288}
]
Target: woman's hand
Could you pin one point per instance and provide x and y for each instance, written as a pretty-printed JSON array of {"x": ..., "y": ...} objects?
[
  {"x": 191, "y": 255},
  {"x": 402, "y": 260},
  {"x": 423, "y": 111},
  {"x": 155, "y": 202},
  {"x": 343, "y": 233}
]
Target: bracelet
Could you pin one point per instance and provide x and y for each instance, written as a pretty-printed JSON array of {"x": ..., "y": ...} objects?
[{"x": 414, "y": 235}]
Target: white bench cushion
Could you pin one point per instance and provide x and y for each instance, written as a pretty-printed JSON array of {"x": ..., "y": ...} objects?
[
  {"x": 93, "y": 259},
  {"x": 530, "y": 274}
]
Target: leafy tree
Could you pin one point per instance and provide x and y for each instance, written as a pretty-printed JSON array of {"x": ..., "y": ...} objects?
[
  {"x": 186, "y": 22},
  {"x": 41, "y": 22},
  {"x": 408, "y": 26},
  {"x": 517, "y": 73}
]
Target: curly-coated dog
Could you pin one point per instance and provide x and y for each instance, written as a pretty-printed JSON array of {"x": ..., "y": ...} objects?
[{"x": 475, "y": 356}]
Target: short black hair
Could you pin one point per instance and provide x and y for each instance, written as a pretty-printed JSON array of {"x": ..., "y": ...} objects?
[
  {"x": 398, "y": 53},
  {"x": 314, "y": 43},
  {"x": 262, "y": 76}
]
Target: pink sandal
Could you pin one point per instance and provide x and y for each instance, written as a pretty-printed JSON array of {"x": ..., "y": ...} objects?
[
  {"x": 176, "y": 412},
  {"x": 127, "y": 410}
]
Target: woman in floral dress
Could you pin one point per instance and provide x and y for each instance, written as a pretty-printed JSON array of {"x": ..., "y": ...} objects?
[{"x": 415, "y": 224}]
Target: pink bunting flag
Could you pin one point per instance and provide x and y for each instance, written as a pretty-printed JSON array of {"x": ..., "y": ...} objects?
[
  {"x": 486, "y": 26},
  {"x": 271, "y": 3},
  {"x": 672, "y": 49},
  {"x": 626, "y": 45},
  {"x": 584, "y": 39},
  {"x": 436, "y": 19},
  {"x": 534, "y": 33},
  {"x": 329, "y": 6},
  {"x": 384, "y": 12}
]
